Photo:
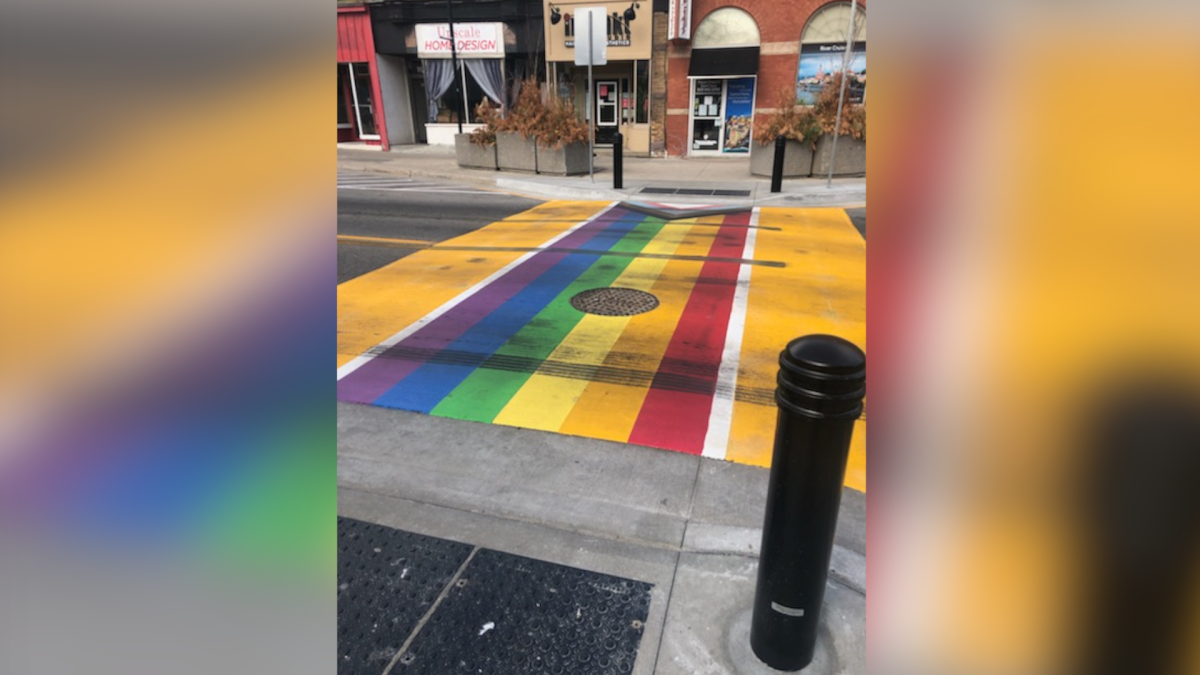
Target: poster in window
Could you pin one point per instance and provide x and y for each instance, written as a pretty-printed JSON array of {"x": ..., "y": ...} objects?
[
  {"x": 739, "y": 111},
  {"x": 819, "y": 62}
]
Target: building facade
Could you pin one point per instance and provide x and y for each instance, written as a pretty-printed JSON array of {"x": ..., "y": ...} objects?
[
  {"x": 729, "y": 60},
  {"x": 360, "y": 112},
  {"x": 428, "y": 94},
  {"x": 621, "y": 95}
]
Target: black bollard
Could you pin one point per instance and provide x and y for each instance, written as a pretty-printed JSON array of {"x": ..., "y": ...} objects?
[
  {"x": 618, "y": 162},
  {"x": 821, "y": 385},
  {"x": 777, "y": 169}
]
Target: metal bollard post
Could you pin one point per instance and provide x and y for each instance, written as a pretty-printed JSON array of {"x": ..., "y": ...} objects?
[
  {"x": 777, "y": 169},
  {"x": 821, "y": 385},
  {"x": 618, "y": 162}
]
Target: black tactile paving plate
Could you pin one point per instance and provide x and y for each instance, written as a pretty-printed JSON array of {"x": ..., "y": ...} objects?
[
  {"x": 387, "y": 580},
  {"x": 509, "y": 615}
]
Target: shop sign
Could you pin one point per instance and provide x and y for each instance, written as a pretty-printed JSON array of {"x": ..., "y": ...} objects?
[
  {"x": 679, "y": 20},
  {"x": 471, "y": 40},
  {"x": 628, "y": 27}
]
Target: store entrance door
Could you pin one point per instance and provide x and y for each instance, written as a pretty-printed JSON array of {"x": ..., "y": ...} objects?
[
  {"x": 364, "y": 110},
  {"x": 722, "y": 116},
  {"x": 607, "y": 109}
]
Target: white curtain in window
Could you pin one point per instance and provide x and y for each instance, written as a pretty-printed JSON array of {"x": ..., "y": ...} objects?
[
  {"x": 486, "y": 73},
  {"x": 439, "y": 75}
]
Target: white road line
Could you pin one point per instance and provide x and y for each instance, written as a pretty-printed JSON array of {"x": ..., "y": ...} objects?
[
  {"x": 720, "y": 419},
  {"x": 362, "y": 359}
]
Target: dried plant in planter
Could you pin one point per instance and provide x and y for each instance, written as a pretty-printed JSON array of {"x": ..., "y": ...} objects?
[
  {"x": 490, "y": 116},
  {"x": 527, "y": 115},
  {"x": 854, "y": 117},
  {"x": 793, "y": 122},
  {"x": 560, "y": 125},
  {"x": 553, "y": 123}
]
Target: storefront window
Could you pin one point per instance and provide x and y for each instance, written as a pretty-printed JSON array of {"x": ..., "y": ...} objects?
[
  {"x": 739, "y": 115},
  {"x": 823, "y": 53},
  {"x": 642, "y": 104},
  {"x": 463, "y": 91}
]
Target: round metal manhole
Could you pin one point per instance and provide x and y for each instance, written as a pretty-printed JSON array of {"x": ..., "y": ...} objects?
[{"x": 614, "y": 301}]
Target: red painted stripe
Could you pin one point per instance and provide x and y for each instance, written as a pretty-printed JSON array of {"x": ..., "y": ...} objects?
[{"x": 678, "y": 420}]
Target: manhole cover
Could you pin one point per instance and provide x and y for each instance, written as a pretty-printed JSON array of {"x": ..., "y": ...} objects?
[{"x": 614, "y": 301}]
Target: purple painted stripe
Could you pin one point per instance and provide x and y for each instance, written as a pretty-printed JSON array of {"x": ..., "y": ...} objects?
[{"x": 382, "y": 373}]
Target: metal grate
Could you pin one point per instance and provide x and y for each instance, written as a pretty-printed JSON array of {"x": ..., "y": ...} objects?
[
  {"x": 699, "y": 192},
  {"x": 614, "y": 301}
]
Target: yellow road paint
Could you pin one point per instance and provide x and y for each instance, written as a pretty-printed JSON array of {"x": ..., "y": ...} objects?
[
  {"x": 607, "y": 410},
  {"x": 545, "y": 401},
  {"x": 383, "y": 241},
  {"x": 376, "y": 306},
  {"x": 821, "y": 290}
]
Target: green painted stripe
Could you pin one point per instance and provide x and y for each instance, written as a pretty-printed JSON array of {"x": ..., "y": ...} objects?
[{"x": 486, "y": 391}]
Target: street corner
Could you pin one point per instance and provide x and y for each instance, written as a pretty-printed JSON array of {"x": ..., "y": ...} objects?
[{"x": 651, "y": 327}]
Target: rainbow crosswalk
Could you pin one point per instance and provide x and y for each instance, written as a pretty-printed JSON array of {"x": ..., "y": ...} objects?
[{"x": 512, "y": 350}]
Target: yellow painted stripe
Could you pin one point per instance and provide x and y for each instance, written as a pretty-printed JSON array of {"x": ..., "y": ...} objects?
[
  {"x": 384, "y": 241},
  {"x": 609, "y": 411},
  {"x": 821, "y": 290},
  {"x": 545, "y": 400},
  {"x": 376, "y": 306}
]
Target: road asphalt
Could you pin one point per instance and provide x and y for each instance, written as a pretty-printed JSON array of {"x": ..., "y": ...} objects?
[{"x": 688, "y": 526}]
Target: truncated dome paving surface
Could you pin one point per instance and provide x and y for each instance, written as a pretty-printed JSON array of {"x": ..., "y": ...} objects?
[
  {"x": 387, "y": 580},
  {"x": 500, "y": 614},
  {"x": 483, "y": 327}
]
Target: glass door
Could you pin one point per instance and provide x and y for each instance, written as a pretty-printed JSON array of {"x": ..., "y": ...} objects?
[
  {"x": 722, "y": 115},
  {"x": 608, "y": 110},
  {"x": 364, "y": 110},
  {"x": 708, "y": 110}
]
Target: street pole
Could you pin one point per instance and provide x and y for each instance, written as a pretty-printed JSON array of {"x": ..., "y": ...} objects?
[
  {"x": 591, "y": 101},
  {"x": 837, "y": 128},
  {"x": 454, "y": 64}
]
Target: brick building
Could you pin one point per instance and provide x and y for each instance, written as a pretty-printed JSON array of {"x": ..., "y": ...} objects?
[{"x": 727, "y": 61}]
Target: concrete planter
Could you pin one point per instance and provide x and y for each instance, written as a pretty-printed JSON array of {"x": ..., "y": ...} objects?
[
  {"x": 797, "y": 159},
  {"x": 569, "y": 160},
  {"x": 851, "y": 159},
  {"x": 514, "y": 152},
  {"x": 474, "y": 156}
]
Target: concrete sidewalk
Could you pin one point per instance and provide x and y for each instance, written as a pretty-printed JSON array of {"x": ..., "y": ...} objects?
[
  {"x": 640, "y": 173},
  {"x": 688, "y": 525}
]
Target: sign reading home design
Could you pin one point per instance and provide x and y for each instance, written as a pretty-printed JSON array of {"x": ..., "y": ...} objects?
[
  {"x": 628, "y": 25},
  {"x": 471, "y": 40}
]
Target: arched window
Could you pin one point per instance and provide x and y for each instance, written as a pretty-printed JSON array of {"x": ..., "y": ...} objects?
[
  {"x": 823, "y": 50},
  {"x": 726, "y": 27}
]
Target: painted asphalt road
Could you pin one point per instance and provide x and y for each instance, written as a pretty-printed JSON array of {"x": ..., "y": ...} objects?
[
  {"x": 379, "y": 227},
  {"x": 481, "y": 327}
]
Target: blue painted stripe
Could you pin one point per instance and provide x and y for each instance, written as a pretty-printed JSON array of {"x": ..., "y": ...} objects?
[{"x": 425, "y": 387}]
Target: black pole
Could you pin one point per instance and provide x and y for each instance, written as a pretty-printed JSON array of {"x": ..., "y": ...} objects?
[
  {"x": 822, "y": 382},
  {"x": 777, "y": 169},
  {"x": 454, "y": 65},
  {"x": 618, "y": 162}
]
